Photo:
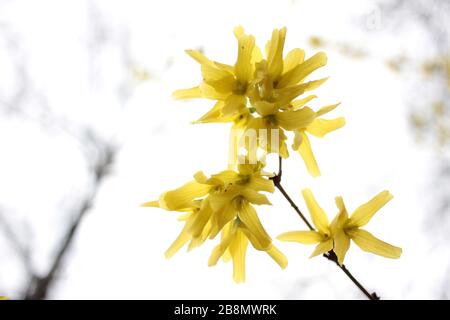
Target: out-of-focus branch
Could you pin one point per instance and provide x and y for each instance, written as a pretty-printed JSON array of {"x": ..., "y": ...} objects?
[
  {"x": 39, "y": 286},
  {"x": 20, "y": 247}
]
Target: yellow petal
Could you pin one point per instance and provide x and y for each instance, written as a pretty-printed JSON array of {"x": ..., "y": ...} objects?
[
  {"x": 238, "y": 249},
  {"x": 238, "y": 31},
  {"x": 265, "y": 108},
  {"x": 221, "y": 80},
  {"x": 301, "y": 71},
  {"x": 226, "y": 229},
  {"x": 209, "y": 92},
  {"x": 243, "y": 68},
  {"x": 362, "y": 215},
  {"x": 253, "y": 229},
  {"x": 308, "y": 157},
  {"x": 323, "y": 247},
  {"x": 298, "y": 119},
  {"x": 225, "y": 67},
  {"x": 222, "y": 217},
  {"x": 278, "y": 256},
  {"x": 301, "y": 102},
  {"x": 190, "y": 93},
  {"x": 311, "y": 85},
  {"x": 320, "y": 127},
  {"x": 318, "y": 216},
  {"x": 275, "y": 54},
  {"x": 341, "y": 218},
  {"x": 183, "y": 196},
  {"x": 293, "y": 58},
  {"x": 367, "y": 242},
  {"x": 198, "y": 241},
  {"x": 198, "y": 56},
  {"x": 200, "y": 219},
  {"x": 179, "y": 242},
  {"x": 287, "y": 94},
  {"x": 341, "y": 244},
  {"x": 298, "y": 137},
  {"x": 327, "y": 109},
  {"x": 200, "y": 177},
  {"x": 224, "y": 178},
  {"x": 154, "y": 204},
  {"x": 185, "y": 216},
  {"x": 219, "y": 250},
  {"x": 233, "y": 106},
  {"x": 218, "y": 201},
  {"x": 256, "y": 56},
  {"x": 304, "y": 237},
  {"x": 226, "y": 257},
  {"x": 254, "y": 197},
  {"x": 214, "y": 115},
  {"x": 258, "y": 183}
]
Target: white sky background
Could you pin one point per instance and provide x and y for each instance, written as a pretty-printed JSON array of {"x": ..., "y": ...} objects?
[{"x": 73, "y": 53}]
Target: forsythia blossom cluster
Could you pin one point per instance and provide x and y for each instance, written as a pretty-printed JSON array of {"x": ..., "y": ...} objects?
[
  {"x": 223, "y": 203},
  {"x": 262, "y": 95}
]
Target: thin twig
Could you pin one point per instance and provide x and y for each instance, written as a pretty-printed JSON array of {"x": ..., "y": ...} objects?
[
  {"x": 331, "y": 255},
  {"x": 22, "y": 249},
  {"x": 39, "y": 286}
]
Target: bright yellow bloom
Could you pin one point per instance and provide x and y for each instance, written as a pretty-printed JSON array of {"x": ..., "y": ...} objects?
[
  {"x": 320, "y": 220},
  {"x": 344, "y": 228},
  {"x": 211, "y": 205},
  {"x": 225, "y": 83},
  {"x": 258, "y": 94},
  {"x": 4, "y": 298},
  {"x": 337, "y": 235},
  {"x": 280, "y": 81}
]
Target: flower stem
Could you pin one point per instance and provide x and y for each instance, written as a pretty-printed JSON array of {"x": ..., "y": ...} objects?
[{"x": 329, "y": 255}]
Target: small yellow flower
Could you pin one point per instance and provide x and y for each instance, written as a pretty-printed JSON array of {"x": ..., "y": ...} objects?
[
  {"x": 345, "y": 229},
  {"x": 225, "y": 83},
  {"x": 337, "y": 235}
]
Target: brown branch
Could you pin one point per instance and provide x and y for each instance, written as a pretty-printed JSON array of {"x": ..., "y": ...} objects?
[
  {"x": 39, "y": 286},
  {"x": 329, "y": 255}
]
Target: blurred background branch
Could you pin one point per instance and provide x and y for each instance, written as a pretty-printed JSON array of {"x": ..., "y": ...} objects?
[{"x": 39, "y": 286}]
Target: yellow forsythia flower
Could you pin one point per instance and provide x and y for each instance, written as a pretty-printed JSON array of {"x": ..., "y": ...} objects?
[
  {"x": 223, "y": 203},
  {"x": 260, "y": 94},
  {"x": 337, "y": 235}
]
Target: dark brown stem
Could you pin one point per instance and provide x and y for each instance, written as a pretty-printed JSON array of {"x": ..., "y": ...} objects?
[
  {"x": 332, "y": 257},
  {"x": 329, "y": 255}
]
